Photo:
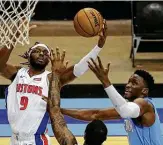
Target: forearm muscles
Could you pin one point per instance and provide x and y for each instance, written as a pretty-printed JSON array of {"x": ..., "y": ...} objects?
[
  {"x": 62, "y": 133},
  {"x": 4, "y": 56}
]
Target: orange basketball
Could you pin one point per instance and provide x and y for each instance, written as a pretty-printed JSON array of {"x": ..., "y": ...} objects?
[{"x": 88, "y": 22}]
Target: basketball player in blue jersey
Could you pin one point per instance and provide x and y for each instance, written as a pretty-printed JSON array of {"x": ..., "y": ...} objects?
[
  {"x": 140, "y": 115},
  {"x": 26, "y": 110},
  {"x": 95, "y": 132}
]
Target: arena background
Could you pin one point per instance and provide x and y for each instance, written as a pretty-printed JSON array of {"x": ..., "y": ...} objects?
[{"x": 55, "y": 28}]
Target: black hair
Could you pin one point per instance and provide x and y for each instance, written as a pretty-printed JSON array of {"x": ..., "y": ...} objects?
[
  {"x": 95, "y": 133},
  {"x": 148, "y": 78},
  {"x": 26, "y": 55}
]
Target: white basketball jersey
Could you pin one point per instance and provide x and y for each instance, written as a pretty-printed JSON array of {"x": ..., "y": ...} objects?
[{"x": 26, "y": 110}]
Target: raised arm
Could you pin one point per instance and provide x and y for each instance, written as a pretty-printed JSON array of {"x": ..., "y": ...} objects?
[
  {"x": 59, "y": 127},
  {"x": 124, "y": 108},
  {"x": 7, "y": 70},
  {"x": 89, "y": 115},
  {"x": 82, "y": 66}
]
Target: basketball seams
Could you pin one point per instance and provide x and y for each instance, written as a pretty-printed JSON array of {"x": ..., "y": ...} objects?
[
  {"x": 98, "y": 19},
  {"x": 90, "y": 23},
  {"x": 82, "y": 27}
]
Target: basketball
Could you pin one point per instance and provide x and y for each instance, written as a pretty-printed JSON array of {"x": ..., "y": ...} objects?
[{"x": 88, "y": 22}]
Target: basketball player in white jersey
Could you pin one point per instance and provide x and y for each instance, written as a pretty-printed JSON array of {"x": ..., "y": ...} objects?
[{"x": 26, "y": 110}]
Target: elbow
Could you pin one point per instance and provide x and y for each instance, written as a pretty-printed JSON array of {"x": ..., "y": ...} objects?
[
  {"x": 95, "y": 115},
  {"x": 89, "y": 117},
  {"x": 129, "y": 110},
  {"x": 78, "y": 70},
  {"x": 130, "y": 114}
]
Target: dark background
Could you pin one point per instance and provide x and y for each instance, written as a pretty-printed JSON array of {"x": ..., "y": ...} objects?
[
  {"x": 67, "y": 10},
  {"x": 92, "y": 91},
  {"x": 111, "y": 10}
]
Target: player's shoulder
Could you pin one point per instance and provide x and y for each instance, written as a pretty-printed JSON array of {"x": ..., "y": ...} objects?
[
  {"x": 47, "y": 72},
  {"x": 21, "y": 70},
  {"x": 144, "y": 102},
  {"x": 141, "y": 101}
]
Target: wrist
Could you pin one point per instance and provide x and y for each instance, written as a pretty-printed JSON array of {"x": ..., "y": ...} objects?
[
  {"x": 55, "y": 74},
  {"x": 99, "y": 46},
  {"x": 106, "y": 83}
]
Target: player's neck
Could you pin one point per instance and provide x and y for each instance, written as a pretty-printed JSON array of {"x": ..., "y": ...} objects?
[{"x": 33, "y": 72}]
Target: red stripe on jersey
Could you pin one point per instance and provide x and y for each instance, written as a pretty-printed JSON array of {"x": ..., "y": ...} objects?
[{"x": 45, "y": 140}]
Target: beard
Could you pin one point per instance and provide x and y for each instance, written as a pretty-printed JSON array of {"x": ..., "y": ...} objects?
[
  {"x": 37, "y": 66},
  {"x": 130, "y": 99}
]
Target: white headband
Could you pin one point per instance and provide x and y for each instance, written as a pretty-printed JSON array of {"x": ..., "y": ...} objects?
[{"x": 37, "y": 45}]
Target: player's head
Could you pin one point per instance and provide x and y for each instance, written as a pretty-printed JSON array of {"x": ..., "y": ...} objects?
[
  {"x": 95, "y": 133},
  {"x": 139, "y": 85},
  {"x": 38, "y": 56}
]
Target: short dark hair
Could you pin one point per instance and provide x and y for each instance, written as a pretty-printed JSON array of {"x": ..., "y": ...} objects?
[
  {"x": 95, "y": 132},
  {"x": 148, "y": 78}
]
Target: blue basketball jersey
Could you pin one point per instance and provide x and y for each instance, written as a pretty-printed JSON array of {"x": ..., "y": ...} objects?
[{"x": 140, "y": 135}]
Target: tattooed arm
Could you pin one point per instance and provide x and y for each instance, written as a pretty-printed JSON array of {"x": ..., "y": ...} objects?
[{"x": 60, "y": 129}]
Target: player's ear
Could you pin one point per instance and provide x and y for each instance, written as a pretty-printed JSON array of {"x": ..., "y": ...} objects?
[{"x": 145, "y": 91}]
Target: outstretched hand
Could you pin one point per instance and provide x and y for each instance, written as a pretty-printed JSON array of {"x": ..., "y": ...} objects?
[
  {"x": 102, "y": 35},
  {"x": 100, "y": 71},
  {"x": 57, "y": 61}
]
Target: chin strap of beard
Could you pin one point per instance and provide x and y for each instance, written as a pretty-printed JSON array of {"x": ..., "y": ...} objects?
[{"x": 124, "y": 108}]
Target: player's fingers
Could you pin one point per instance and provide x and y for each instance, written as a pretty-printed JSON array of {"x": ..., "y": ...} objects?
[
  {"x": 95, "y": 64},
  {"x": 66, "y": 63},
  {"x": 45, "y": 98},
  {"x": 92, "y": 67},
  {"x": 32, "y": 14},
  {"x": 101, "y": 34},
  {"x": 58, "y": 53},
  {"x": 63, "y": 55},
  {"x": 105, "y": 24},
  {"x": 100, "y": 63},
  {"x": 105, "y": 28},
  {"x": 53, "y": 54},
  {"x": 32, "y": 27},
  {"x": 51, "y": 59},
  {"x": 107, "y": 68}
]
